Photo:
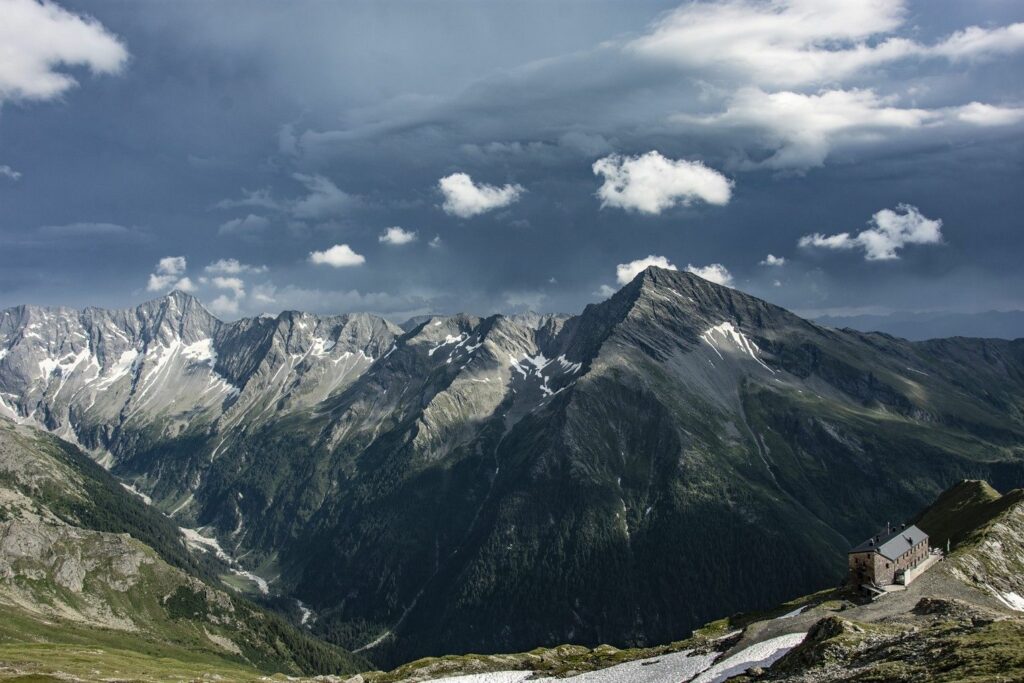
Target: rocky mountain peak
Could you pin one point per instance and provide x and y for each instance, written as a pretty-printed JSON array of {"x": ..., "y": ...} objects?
[
  {"x": 175, "y": 316},
  {"x": 691, "y": 301}
]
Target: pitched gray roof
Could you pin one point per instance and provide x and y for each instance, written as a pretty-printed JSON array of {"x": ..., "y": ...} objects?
[{"x": 893, "y": 543}]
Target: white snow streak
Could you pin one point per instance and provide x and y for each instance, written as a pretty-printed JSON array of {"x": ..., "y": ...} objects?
[
  {"x": 201, "y": 352},
  {"x": 146, "y": 499},
  {"x": 449, "y": 340},
  {"x": 1012, "y": 600},
  {"x": 197, "y": 541},
  {"x": 726, "y": 332},
  {"x": 121, "y": 368}
]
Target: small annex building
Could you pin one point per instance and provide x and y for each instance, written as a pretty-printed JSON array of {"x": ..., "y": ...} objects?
[{"x": 883, "y": 559}]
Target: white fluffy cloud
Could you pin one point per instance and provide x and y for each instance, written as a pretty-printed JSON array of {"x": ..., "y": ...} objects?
[
  {"x": 797, "y": 77},
  {"x": 625, "y": 272},
  {"x": 225, "y": 305},
  {"x": 170, "y": 274},
  {"x": 976, "y": 43},
  {"x": 230, "y": 301},
  {"x": 794, "y": 43},
  {"x": 651, "y": 183},
  {"x": 231, "y": 266},
  {"x": 338, "y": 256},
  {"x": 38, "y": 38},
  {"x": 9, "y": 173},
  {"x": 172, "y": 265},
  {"x": 397, "y": 236},
  {"x": 980, "y": 114},
  {"x": 714, "y": 272},
  {"x": 802, "y": 129},
  {"x": 890, "y": 230},
  {"x": 773, "y": 260},
  {"x": 233, "y": 284},
  {"x": 465, "y": 199},
  {"x": 245, "y": 226}
]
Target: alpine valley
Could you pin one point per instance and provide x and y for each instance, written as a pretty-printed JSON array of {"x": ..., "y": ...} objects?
[{"x": 679, "y": 452}]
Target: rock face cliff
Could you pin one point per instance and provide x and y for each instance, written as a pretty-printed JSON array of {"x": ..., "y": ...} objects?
[{"x": 678, "y": 451}]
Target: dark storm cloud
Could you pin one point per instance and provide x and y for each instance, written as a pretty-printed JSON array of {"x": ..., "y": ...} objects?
[{"x": 263, "y": 132}]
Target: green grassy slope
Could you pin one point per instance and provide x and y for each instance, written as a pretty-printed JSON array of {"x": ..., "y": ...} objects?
[
  {"x": 75, "y": 572},
  {"x": 964, "y": 512}
]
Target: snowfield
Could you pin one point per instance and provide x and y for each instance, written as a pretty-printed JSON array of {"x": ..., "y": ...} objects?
[
  {"x": 761, "y": 654},
  {"x": 677, "y": 667},
  {"x": 495, "y": 677},
  {"x": 1012, "y": 600}
]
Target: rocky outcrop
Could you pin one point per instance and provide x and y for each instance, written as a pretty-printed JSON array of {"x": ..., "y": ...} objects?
[{"x": 70, "y": 555}]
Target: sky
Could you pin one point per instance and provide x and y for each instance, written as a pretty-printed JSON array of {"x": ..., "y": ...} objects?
[{"x": 836, "y": 157}]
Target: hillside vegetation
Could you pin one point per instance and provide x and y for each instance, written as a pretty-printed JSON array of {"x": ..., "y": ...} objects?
[
  {"x": 82, "y": 590},
  {"x": 960, "y": 621}
]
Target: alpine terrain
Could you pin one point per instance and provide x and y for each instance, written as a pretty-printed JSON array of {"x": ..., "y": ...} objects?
[
  {"x": 95, "y": 583},
  {"x": 677, "y": 452},
  {"x": 959, "y": 621}
]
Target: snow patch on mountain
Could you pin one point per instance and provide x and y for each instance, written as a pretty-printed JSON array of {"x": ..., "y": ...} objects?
[
  {"x": 322, "y": 347},
  {"x": 131, "y": 489},
  {"x": 726, "y": 334},
  {"x": 448, "y": 340},
  {"x": 196, "y": 541},
  {"x": 670, "y": 668},
  {"x": 201, "y": 352},
  {"x": 306, "y": 614},
  {"x": 1012, "y": 600},
  {"x": 762, "y": 654},
  {"x": 794, "y": 613},
  {"x": 569, "y": 366},
  {"x": 121, "y": 368},
  {"x": 492, "y": 677}
]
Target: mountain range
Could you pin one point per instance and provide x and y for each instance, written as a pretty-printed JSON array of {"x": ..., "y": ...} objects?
[
  {"x": 676, "y": 452},
  {"x": 920, "y": 326}
]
